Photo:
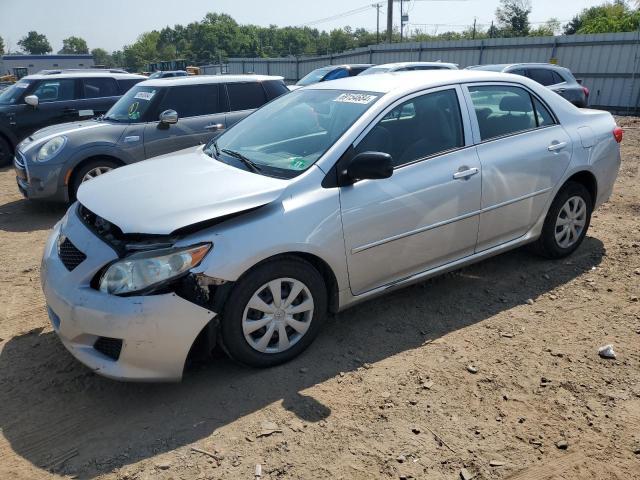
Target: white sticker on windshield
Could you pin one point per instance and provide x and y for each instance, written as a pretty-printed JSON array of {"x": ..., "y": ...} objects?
[
  {"x": 85, "y": 113},
  {"x": 22, "y": 85},
  {"x": 145, "y": 95},
  {"x": 355, "y": 98}
]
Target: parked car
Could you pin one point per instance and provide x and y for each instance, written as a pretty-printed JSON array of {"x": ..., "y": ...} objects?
[
  {"x": 168, "y": 74},
  {"x": 37, "y": 101},
  {"x": 409, "y": 66},
  {"x": 325, "y": 197},
  {"x": 332, "y": 72},
  {"x": 555, "y": 78},
  {"x": 153, "y": 118}
]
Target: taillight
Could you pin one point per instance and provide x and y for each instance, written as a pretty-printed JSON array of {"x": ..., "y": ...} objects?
[
  {"x": 586, "y": 91},
  {"x": 617, "y": 134}
]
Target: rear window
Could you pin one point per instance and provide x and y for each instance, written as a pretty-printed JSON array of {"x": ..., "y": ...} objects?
[
  {"x": 192, "y": 100},
  {"x": 99, "y": 87},
  {"x": 245, "y": 96}
]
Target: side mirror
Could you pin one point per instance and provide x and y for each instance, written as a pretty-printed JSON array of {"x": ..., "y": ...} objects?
[
  {"x": 32, "y": 100},
  {"x": 169, "y": 117},
  {"x": 369, "y": 166}
]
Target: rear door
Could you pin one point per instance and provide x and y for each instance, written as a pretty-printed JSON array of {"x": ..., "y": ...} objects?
[
  {"x": 244, "y": 98},
  {"x": 200, "y": 117},
  {"x": 524, "y": 152},
  {"x": 57, "y": 103},
  {"x": 98, "y": 95}
]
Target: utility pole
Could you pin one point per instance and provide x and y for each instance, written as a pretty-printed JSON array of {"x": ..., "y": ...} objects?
[
  {"x": 389, "y": 20},
  {"x": 377, "y": 6},
  {"x": 474, "y": 28},
  {"x": 401, "y": 21}
]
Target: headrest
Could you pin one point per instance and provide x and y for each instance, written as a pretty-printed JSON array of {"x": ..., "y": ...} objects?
[{"x": 515, "y": 103}]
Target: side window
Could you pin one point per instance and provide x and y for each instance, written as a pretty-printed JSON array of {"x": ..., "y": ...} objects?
[
  {"x": 99, "y": 87},
  {"x": 543, "y": 116},
  {"x": 542, "y": 76},
  {"x": 502, "y": 110},
  {"x": 244, "y": 96},
  {"x": 518, "y": 71},
  {"x": 56, "y": 90},
  {"x": 124, "y": 85},
  {"x": 418, "y": 128},
  {"x": 192, "y": 100},
  {"x": 340, "y": 73}
]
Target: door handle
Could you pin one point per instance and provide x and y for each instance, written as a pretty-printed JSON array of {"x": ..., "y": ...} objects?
[
  {"x": 556, "y": 146},
  {"x": 69, "y": 110},
  {"x": 465, "y": 174},
  {"x": 214, "y": 126}
]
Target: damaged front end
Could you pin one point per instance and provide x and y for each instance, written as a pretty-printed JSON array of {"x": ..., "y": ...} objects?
[{"x": 198, "y": 288}]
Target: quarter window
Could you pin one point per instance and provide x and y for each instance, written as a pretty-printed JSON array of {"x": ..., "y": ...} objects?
[
  {"x": 418, "y": 128},
  {"x": 502, "y": 110},
  {"x": 192, "y": 101},
  {"x": 543, "y": 116},
  {"x": 99, "y": 87},
  {"x": 542, "y": 76},
  {"x": 245, "y": 96},
  {"x": 56, "y": 90}
]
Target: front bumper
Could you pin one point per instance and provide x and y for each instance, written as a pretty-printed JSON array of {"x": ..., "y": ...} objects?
[
  {"x": 157, "y": 331},
  {"x": 42, "y": 182}
]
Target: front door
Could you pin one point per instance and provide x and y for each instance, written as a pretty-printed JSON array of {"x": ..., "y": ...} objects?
[
  {"x": 426, "y": 213},
  {"x": 524, "y": 153},
  {"x": 200, "y": 117}
]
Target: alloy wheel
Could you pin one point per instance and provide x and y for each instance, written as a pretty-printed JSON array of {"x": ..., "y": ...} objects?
[
  {"x": 571, "y": 221},
  {"x": 95, "y": 172},
  {"x": 277, "y": 315}
]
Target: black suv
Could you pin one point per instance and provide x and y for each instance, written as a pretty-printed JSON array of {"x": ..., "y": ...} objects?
[{"x": 57, "y": 96}]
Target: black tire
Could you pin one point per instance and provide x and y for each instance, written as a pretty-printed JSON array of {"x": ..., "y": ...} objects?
[
  {"x": 547, "y": 245},
  {"x": 79, "y": 174},
  {"x": 6, "y": 153},
  {"x": 231, "y": 330}
]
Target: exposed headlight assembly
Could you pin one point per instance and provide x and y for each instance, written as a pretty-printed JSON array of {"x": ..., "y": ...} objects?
[
  {"x": 145, "y": 270},
  {"x": 50, "y": 149}
]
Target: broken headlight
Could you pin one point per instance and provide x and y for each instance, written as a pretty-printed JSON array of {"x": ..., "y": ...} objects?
[{"x": 146, "y": 270}]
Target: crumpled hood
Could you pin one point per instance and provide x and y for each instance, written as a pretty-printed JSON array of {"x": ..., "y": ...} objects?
[{"x": 163, "y": 194}]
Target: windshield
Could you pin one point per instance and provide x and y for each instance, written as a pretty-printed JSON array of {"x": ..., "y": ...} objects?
[
  {"x": 11, "y": 95},
  {"x": 491, "y": 68},
  {"x": 156, "y": 75},
  {"x": 315, "y": 76},
  {"x": 372, "y": 70},
  {"x": 288, "y": 135},
  {"x": 133, "y": 105}
]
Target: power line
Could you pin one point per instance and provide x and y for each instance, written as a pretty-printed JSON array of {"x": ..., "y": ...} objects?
[{"x": 336, "y": 17}]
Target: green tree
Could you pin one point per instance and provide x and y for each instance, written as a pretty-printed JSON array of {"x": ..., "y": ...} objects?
[
  {"x": 614, "y": 16},
  {"x": 1, "y": 46},
  {"x": 549, "y": 28},
  {"x": 513, "y": 17},
  {"x": 101, "y": 57},
  {"x": 35, "y": 43},
  {"x": 74, "y": 45}
]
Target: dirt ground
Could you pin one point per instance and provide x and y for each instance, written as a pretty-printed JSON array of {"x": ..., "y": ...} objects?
[{"x": 384, "y": 392}]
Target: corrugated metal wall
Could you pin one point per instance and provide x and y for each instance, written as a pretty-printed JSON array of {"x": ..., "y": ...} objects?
[{"x": 608, "y": 63}]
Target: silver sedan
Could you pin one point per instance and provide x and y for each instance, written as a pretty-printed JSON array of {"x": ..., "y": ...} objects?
[{"x": 325, "y": 197}]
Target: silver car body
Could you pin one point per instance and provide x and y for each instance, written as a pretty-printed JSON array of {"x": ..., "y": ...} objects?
[
  {"x": 124, "y": 143},
  {"x": 372, "y": 237},
  {"x": 409, "y": 66}
]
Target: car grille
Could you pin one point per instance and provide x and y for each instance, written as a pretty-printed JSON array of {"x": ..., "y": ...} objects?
[
  {"x": 110, "y": 347},
  {"x": 70, "y": 256}
]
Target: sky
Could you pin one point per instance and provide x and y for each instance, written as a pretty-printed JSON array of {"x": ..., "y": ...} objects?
[{"x": 110, "y": 24}]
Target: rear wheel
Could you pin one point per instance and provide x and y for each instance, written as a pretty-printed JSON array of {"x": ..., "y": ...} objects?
[
  {"x": 567, "y": 221},
  {"x": 5, "y": 152},
  {"x": 274, "y": 312},
  {"x": 89, "y": 171}
]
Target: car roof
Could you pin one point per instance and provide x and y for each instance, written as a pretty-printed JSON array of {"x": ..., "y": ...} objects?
[
  {"x": 400, "y": 82},
  {"x": 80, "y": 74},
  {"x": 205, "y": 79},
  {"x": 504, "y": 66},
  {"x": 409, "y": 64}
]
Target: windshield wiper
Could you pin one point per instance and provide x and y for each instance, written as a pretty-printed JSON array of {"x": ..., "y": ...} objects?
[{"x": 251, "y": 165}]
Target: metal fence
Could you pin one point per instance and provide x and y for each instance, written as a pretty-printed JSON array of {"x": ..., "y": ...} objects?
[{"x": 609, "y": 64}]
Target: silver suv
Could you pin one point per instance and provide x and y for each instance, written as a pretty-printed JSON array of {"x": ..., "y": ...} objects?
[{"x": 153, "y": 118}]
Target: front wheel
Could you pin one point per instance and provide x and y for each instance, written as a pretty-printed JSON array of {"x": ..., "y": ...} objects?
[
  {"x": 5, "y": 152},
  {"x": 89, "y": 171},
  {"x": 274, "y": 312},
  {"x": 567, "y": 222}
]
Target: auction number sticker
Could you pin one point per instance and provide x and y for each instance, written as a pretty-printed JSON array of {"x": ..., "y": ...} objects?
[
  {"x": 22, "y": 85},
  {"x": 361, "y": 98},
  {"x": 145, "y": 95}
]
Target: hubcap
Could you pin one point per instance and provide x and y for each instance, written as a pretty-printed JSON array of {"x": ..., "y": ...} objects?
[
  {"x": 278, "y": 315},
  {"x": 95, "y": 172},
  {"x": 571, "y": 221}
]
